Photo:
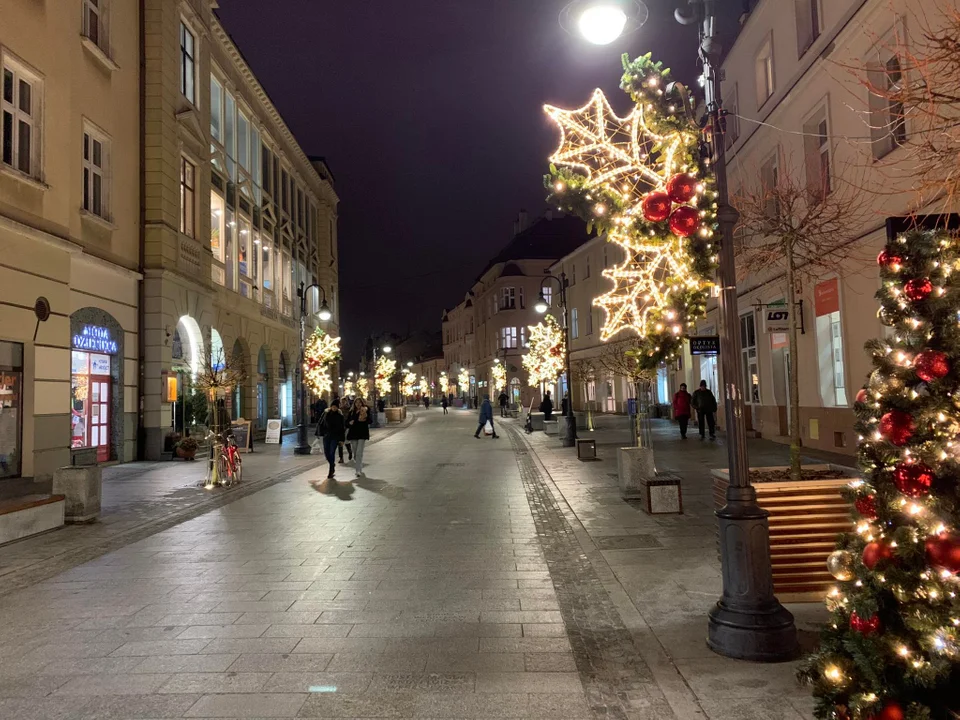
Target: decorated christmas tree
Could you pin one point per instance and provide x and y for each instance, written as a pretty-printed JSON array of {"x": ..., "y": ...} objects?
[
  {"x": 408, "y": 388},
  {"x": 385, "y": 370},
  {"x": 499, "y": 377},
  {"x": 544, "y": 357},
  {"x": 321, "y": 350},
  {"x": 892, "y": 647}
]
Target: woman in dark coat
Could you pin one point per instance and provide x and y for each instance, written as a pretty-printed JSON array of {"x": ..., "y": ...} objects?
[
  {"x": 358, "y": 431},
  {"x": 546, "y": 406}
]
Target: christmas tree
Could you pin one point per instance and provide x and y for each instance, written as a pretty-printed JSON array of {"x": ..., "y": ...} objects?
[{"x": 892, "y": 648}]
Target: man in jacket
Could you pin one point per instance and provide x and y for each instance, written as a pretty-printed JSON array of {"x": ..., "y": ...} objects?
[
  {"x": 486, "y": 414},
  {"x": 503, "y": 400},
  {"x": 681, "y": 409},
  {"x": 334, "y": 428},
  {"x": 705, "y": 404}
]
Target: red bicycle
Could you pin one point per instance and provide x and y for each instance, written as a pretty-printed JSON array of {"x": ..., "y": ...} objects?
[{"x": 229, "y": 464}]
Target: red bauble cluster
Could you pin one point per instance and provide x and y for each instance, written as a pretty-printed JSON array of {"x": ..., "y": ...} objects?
[
  {"x": 918, "y": 289},
  {"x": 887, "y": 259},
  {"x": 891, "y": 710},
  {"x": 865, "y": 626},
  {"x": 681, "y": 188},
  {"x": 913, "y": 479},
  {"x": 656, "y": 207},
  {"x": 866, "y": 505},
  {"x": 862, "y": 395},
  {"x": 931, "y": 365},
  {"x": 897, "y": 427},
  {"x": 943, "y": 551},
  {"x": 875, "y": 553},
  {"x": 684, "y": 221}
]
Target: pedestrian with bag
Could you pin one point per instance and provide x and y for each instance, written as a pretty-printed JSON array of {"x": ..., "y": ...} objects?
[
  {"x": 358, "y": 432},
  {"x": 486, "y": 417},
  {"x": 546, "y": 406},
  {"x": 681, "y": 409},
  {"x": 705, "y": 404},
  {"x": 333, "y": 430}
]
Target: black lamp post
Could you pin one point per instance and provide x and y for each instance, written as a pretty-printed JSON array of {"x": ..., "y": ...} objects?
[
  {"x": 324, "y": 313},
  {"x": 569, "y": 438},
  {"x": 386, "y": 351}
]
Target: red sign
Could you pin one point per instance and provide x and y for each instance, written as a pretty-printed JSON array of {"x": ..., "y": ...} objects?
[{"x": 827, "y": 297}]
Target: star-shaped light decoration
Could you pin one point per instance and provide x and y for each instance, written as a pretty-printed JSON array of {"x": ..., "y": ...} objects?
[
  {"x": 499, "y": 376},
  {"x": 362, "y": 387},
  {"x": 321, "y": 350},
  {"x": 643, "y": 181},
  {"x": 444, "y": 383},
  {"x": 385, "y": 370},
  {"x": 408, "y": 388},
  {"x": 545, "y": 352}
]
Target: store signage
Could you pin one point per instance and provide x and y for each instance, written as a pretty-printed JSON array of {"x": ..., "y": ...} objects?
[
  {"x": 776, "y": 320},
  {"x": 704, "y": 344},
  {"x": 274, "y": 429},
  {"x": 826, "y": 297},
  {"x": 95, "y": 339}
]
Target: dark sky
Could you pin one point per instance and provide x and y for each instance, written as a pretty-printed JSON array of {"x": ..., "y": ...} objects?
[{"x": 429, "y": 113}]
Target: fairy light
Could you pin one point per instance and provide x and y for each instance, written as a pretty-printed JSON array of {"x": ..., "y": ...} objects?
[
  {"x": 463, "y": 380},
  {"x": 384, "y": 371},
  {"x": 544, "y": 357},
  {"x": 321, "y": 350}
]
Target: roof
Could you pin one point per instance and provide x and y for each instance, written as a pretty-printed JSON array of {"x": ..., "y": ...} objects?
[
  {"x": 511, "y": 270},
  {"x": 545, "y": 239}
]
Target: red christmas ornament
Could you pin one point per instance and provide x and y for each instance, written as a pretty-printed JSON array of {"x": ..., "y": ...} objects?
[
  {"x": 681, "y": 188},
  {"x": 684, "y": 221},
  {"x": 918, "y": 289},
  {"x": 913, "y": 479},
  {"x": 891, "y": 710},
  {"x": 876, "y": 552},
  {"x": 931, "y": 365},
  {"x": 897, "y": 427},
  {"x": 862, "y": 395},
  {"x": 865, "y": 626},
  {"x": 943, "y": 551},
  {"x": 656, "y": 207},
  {"x": 866, "y": 505},
  {"x": 888, "y": 259}
]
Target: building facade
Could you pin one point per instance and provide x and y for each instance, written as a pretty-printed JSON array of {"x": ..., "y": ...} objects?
[
  {"x": 236, "y": 219},
  {"x": 69, "y": 237}
]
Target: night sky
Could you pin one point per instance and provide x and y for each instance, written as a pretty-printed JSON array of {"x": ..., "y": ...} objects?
[{"x": 429, "y": 114}]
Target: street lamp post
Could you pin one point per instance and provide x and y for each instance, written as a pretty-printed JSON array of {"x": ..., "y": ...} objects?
[
  {"x": 748, "y": 622},
  {"x": 303, "y": 448},
  {"x": 569, "y": 438},
  {"x": 376, "y": 412}
]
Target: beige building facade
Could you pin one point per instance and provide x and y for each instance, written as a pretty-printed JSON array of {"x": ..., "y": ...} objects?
[
  {"x": 237, "y": 219},
  {"x": 69, "y": 235}
]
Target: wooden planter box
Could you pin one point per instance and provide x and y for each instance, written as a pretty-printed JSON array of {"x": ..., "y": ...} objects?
[{"x": 805, "y": 519}]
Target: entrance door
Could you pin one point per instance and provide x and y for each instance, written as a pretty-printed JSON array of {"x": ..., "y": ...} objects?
[
  {"x": 100, "y": 416},
  {"x": 261, "y": 405}
]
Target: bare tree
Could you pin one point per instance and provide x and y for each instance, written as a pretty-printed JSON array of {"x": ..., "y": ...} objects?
[
  {"x": 621, "y": 359},
  {"x": 798, "y": 226}
]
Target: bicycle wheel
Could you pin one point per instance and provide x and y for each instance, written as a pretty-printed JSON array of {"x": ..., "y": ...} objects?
[
  {"x": 223, "y": 470},
  {"x": 238, "y": 470}
]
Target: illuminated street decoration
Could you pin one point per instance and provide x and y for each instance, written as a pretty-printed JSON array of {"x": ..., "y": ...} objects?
[
  {"x": 545, "y": 352},
  {"x": 499, "y": 376},
  {"x": 385, "y": 370},
  {"x": 321, "y": 350}
]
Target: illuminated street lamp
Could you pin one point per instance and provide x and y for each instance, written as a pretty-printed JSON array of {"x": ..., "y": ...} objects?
[
  {"x": 324, "y": 313},
  {"x": 602, "y": 21},
  {"x": 569, "y": 437}
]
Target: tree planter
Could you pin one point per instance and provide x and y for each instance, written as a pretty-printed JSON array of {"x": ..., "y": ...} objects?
[
  {"x": 805, "y": 519},
  {"x": 186, "y": 454}
]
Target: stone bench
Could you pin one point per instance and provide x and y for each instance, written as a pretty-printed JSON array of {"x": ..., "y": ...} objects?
[
  {"x": 639, "y": 480},
  {"x": 30, "y": 515},
  {"x": 551, "y": 427}
]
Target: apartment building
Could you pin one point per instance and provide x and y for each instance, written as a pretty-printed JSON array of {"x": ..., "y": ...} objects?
[
  {"x": 428, "y": 372},
  {"x": 237, "y": 218},
  {"x": 490, "y": 326},
  {"x": 69, "y": 237}
]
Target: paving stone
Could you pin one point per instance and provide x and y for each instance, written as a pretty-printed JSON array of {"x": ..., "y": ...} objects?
[
  {"x": 247, "y": 706},
  {"x": 185, "y": 663},
  {"x": 215, "y": 682},
  {"x": 115, "y": 684}
]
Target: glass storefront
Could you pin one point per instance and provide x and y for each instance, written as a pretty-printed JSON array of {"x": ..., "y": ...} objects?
[
  {"x": 91, "y": 391},
  {"x": 11, "y": 415}
]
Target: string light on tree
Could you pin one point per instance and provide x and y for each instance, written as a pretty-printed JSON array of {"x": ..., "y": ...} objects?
[
  {"x": 895, "y": 630},
  {"x": 444, "y": 383},
  {"x": 463, "y": 381},
  {"x": 348, "y": 388},
  {"x": 320, "y": 351},
  {"x": 643, "y": 181},
  {"x": 408, "y": 387},
  {"x": 363, "y": 387},
  {"x": 499, "y": 376},
  {"x": 544, "y": 357},
  {"x": 384, "y": 371}
]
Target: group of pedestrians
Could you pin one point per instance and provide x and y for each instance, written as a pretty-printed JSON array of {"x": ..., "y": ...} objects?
[
  {"x": 339, "y": 429},
  {"x": 704, "y": 402}
]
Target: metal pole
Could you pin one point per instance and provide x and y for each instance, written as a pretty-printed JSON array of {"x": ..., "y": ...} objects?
[
  {"x": 303, "y": 447},
  {"x": 376, "y": 411},
  {"x": 570, "y": 429},
  {"x": 748, "y": 622}
]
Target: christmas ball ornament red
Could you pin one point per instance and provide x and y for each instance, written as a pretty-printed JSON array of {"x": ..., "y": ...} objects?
[
  {"x": 656, "y": 207},
  {"x": 931, "y": 365},
  {"x": 897, "y": 427},
  {"x": 934, "y": 550},
  {"x": 866, "y": 505},
  {"x": 888, "y": 259},
  {"x": 865, "y": 626},
  {"x": 891, "y": 710},
  {"x": 684, "y": 221},
  {"x": 918, "y": 289},
  {"x": 874, "y": 553},
  {"x": 862, "y": 395},
  {"x": 913, "y": 479},
  {"x": 681, "y": 188},
  {"x": 943, "y": 551}
]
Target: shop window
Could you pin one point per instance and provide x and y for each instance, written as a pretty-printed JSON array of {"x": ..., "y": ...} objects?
[
  {"x": 833, "y": 389},
  {"x": 91, "y": 391},
  {"x": 11, "y": 414},
  {"x": 748, "y": 354}
]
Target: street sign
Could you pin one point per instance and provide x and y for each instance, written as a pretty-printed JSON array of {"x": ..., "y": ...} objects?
[
  {"x": 273, "y": 432},
  {"x": 704, "y": 344},
  {"x": 776, "y": 320}
]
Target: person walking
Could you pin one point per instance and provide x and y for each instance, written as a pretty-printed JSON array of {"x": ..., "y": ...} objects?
[
  {"x": 681, "y": 408},
  {"x": 565, "y": 404},
  {"x": 333, "y": 434},
  {"x": 358, "y": 432},
  {"x": 503, "y": 400},
  {"x": 546, "y": 406},
  {"x": 705, "y": 404},
  {"x": 426, "y": 402},
  {"x": 486, "y": 415},
  {"x": 444, "y": 404}
]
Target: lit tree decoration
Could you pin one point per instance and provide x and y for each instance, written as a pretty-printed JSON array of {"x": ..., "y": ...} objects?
[
  {"x": 463, "y": 380},
  {"x": 409, "y": 386},
  {"x": 499, "y": 376},
  {"x": 545, "y": 352},
  {"x": 643, "y": 181},
  {"x": 320, "y": 351},
  {"x": 385, "y": 370},
  {"x": 348, "y": 388},
  {"x": 424, "y": 386},
  {"x": 362, "y": 387},
  {"x": 892, "y": 649},
  {"x": 444, "y": 383}
]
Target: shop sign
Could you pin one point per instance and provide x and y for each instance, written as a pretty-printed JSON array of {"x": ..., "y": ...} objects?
[
  {"x": 274, "y": 428},
  {"x": 827, "y": 297},
  {"x": 776, "y": 320},
  {"x": 96, "y": 339},
  {"x": 704, "y": 344}
]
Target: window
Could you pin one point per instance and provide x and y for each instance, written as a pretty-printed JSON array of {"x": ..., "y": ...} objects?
[
  {"x": 266, "y": 164},
  {"x": 94, "y": 22},
  {"x": 21, "y": 126},
  {"x": 606, "y": 262},
  {"x": 216, "y": 237},
  {"x": 547, "y": 292},
  {"x": 95, "y": 173},
  {"x": 573, "y": 274},
  {"x": 748, "y": 352},
  {"x": 816, "y": 150},
  {"x": 808, "y": 24},
  {"x": 188, "y": 194},
  {"x": 590, "y": 321},
  {"x": 586, "y": 272},
  {"x": 230, "y": 135},
  {"x": 732, "y": 119},
  {"x": 11, "y": 415},
  {"x": 764, "y": 72},
  {"x": 523, "y": 336},
  {"x": 216, "y": 109},
  {"x": 887, "y": 125},
  {"x": 833, "y": 389},
  {"x": 770, "y": 179},
  {"x": 508, "y": 300},
  {"x": 574, "y": 324},
  {"x": 243, "y": 142},
  {"x": 507, "y": 339},
  {"x": 188, "y": 67}
]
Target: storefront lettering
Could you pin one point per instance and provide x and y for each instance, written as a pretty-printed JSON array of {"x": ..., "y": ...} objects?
[{"x": 96, "y": 339}]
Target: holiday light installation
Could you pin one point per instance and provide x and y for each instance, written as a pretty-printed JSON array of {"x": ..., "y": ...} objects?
[
  {"x": 444, "y": 383},
  {"x": 348, "y": 388},
  {"x": 423, "y": 386},
  {"x": 385, "y": 370},
  {"x": 321, "y": 350},
  {"x": 499, "y": 376},
  {"x": 463, "y": 381},
  {"x": 544, "y": 357},
  {"x": 409, "y": 385},
  {"x": 892, "y": 648},
  {"x": 642, "y": 180},
  {"x": 363, "y": 387}
]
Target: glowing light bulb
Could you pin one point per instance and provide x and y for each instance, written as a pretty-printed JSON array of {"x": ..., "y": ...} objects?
[{"x": 602, "y": 24}]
